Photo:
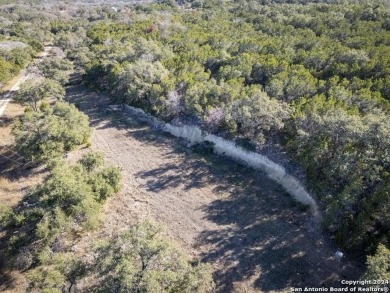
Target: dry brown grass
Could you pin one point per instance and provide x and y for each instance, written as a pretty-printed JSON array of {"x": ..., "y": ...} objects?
[
  {"x": 14, "y": 181},
  {"x": 10, "y": 192},
  {"x": 12, "y": 110},
  {"x": 5, "y": 185}
]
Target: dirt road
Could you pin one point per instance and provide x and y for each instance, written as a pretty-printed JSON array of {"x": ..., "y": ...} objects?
[
  {"x": 15, "y": 83},
  {"x": 7, "y": 97},
  {"x": 248, "y": 228}
]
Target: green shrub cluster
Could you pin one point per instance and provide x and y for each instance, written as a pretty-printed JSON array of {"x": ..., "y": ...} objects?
[
  {"x": 44, "y": 135},
  {"x": 69, "y": 199},
  {"x": 32, "y": 92},
  {"x": 141, "y": 259},
  {"x": 12, "y": 61},
  {"x": 56, "y": 68}
]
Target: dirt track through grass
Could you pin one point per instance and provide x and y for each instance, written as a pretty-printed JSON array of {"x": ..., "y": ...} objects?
[{"x": 247, "y": 227}]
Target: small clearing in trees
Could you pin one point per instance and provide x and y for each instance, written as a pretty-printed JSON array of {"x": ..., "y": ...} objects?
[{"x": 246, "y": 226}]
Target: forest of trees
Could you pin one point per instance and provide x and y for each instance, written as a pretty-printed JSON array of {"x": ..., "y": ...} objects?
[
  {"x": 311, "y": 76},
  {"x": 314, "y": 78}
]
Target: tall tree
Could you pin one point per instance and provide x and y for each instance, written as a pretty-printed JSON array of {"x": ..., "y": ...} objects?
[{"x": 32, "y": 92}]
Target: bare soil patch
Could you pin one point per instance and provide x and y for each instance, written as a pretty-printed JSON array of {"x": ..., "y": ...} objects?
[{"x": 246, "y": 226}]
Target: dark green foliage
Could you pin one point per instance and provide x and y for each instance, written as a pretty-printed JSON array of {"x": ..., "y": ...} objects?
[
  {"x": 17, "y": 27},
  {"x": 36, "y": 45},
  {"x": 57, "y": 272},
  {"x": 6, "y": 215},
  {"x": 41, "y": 136},
  {"x": 105, "y": 183},
  {"x": 92, "y": 160},
  {"x": 143, "y": 260},
  {"x": 348, "y": 156},
  {"x": 55, "y": 68},
  {"x": 7, "y": 70},
  {"x": 32, "y": 92},
  {"x": 378, "y": 265},
  {"x": 67, "y": 200},
  {"x": 12, "y": 61}
]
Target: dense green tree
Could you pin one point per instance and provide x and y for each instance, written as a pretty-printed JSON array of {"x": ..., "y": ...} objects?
[
  {"x": 41, "y": 136},
  {"x": 92, "y": 160},
  {"x": 6, "y": 215},
  {"x": 141, "y": 83},
  {"x": 32, "y": 92},
  {"x": 67, "y": 40},
  {"x": 258, "y": 115},
  {"x": 55, "y": 68},
  {"x": 57, "y": 272},
  {"x": 12, "y": 60},
  {"x": 331, "y": 147},
  {"x": 378, "y": 265},
  {"x": 142, "y": 260},
  {"x": 6, "y": 70},
  {"x": 294, "y": 83},
  {"x": 67, "y": 200}
]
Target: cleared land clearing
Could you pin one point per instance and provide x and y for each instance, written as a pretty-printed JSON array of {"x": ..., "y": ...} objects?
[{"x": 248, "y": 228}]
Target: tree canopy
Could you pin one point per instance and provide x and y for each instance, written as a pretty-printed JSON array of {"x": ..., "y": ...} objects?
[
  {"x": 309, "y": 75},
  {"x": 32, "y": 92},
  {"x": 41, "y": 136}
]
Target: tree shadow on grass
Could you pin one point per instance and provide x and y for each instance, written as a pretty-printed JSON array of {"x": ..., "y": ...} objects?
[
  {"x": 262, "y": 237},
  {"x": 272, "y": 241}
]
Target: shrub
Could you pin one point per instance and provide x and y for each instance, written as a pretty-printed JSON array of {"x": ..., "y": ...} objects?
[
  {"x": 6, "y": 215},
  {"x": 92, "y": 160},
  {"x": 143, "y": 260},
  {"x": 42, "y": 136},
  {"x": 32, "y": 92},
  {"x": 58, "y": 272},
  {"x": 378, "y": 265},
  {"x": 68, "y": 199}
]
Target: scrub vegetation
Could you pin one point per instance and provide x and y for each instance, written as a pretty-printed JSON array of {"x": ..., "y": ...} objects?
[{"x": 310, "y": 77}]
